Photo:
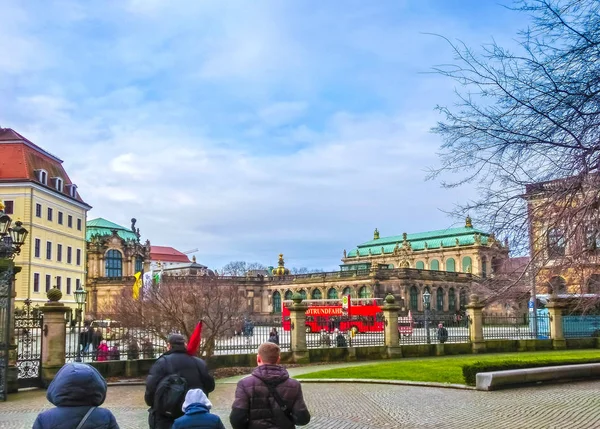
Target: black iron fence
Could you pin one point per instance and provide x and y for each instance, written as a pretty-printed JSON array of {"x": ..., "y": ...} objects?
[
  {"x": 434, "y": 329},
  {"x": 349, "y": 331},
  {"x": 249, "y": 336},
  {"x": 515, "y": 327}
]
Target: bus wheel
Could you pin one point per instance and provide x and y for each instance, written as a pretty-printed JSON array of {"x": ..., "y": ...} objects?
[
  {"x": 355, "y": 329},
  {"x": 308, "y": 330}
]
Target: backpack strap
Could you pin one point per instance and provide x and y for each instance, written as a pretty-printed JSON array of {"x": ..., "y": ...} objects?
[
  {"x": 84, "y": 419},
  {"x": 275, "y": 394}
]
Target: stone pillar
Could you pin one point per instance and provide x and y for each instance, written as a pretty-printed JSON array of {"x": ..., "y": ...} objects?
[
  {"x": 54, "y": 335},
  {"x": 390, "y": 315},
  {"x": 475, "y": 313},
  {"x": 556, "y": 325},
  {"x": 298, "y": 329}
]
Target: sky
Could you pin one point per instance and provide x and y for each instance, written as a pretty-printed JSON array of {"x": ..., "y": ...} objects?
[{"x": 248, "y": 128}]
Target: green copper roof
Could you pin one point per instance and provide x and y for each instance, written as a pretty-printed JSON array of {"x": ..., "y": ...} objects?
[
  {"x": 100, "y": 227},
  {"x": 434, "y": 239}
]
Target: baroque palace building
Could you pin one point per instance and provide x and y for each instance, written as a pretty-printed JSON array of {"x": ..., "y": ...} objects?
[
  {"x": 114, "y": 256},
  {"x": 37, "y": 191},
  {"x": 445, "y": 263}
]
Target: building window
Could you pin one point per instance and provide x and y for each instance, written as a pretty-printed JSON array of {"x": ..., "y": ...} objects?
[
  {"x": 69, "y": 254},
  {"x": 414, "y": 298},
  {"x": 288, "y": 295},
  {"x": 77, "y": 284},
  {"x": 332, "y": 294},
  {"x": 483, "y": 267},
  {"x": 347, "y": 291},
  {"x": 78, "y": 257},
  {"x": 70, "y": 221},
  {"x": 450, "y": 265},
  {"x": 114, "y": 264},
  {"x": 38, "y": 210},
  {"x": 60, "y": 218},
  {"x": 9, "y": 207},
  {"x": 557, "y": 285},
  {"x": 78, "y": 224},
  {"x": 316, "y": 294},
  {"x": 463, "y": 298},
  {"x": 467, "y": 265},
  {"x": 73, "y": 191},
  {"x": 49, "y": 213},
  {"x": 451, "y": 299},
  {"x": 139, "y": 264},
  {"x": 48, "y": 250},
  {"x": 276, "y": 302},
  {"x": 420, "y": 265},
  {"x": 363, "y": 292},
  {"x": 68, "y": 286},
  {"x": 556, "y": 243},
  {"x": 58, "y": 184},
  {"x": 435, "y": 265},
  {"x": 303, "y": 294},
  {"x": 38, "y": 244},
  {"x": 42, "y": 176},
  {"x": 440, "y": 299},
  {"x": 58, "y": 282},
  {"x": 48, "y": 282},
  {"x": 59, "y": 252},
  {"x": 36, "y": 282}
]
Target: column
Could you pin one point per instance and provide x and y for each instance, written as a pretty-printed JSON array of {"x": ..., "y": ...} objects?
[
  {"x": 475, "y": 313},
  {"x": 298, "y": 329},
  {"x": 556, "y": 326},
  {"x": 54, "y": 335},
  {"x": 390, "y": 315}
]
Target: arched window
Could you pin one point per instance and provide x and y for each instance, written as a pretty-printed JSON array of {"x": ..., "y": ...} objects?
[
  {"x": 303, "y": 294},
  {"x": 557, "y": 285},
  {"x": 139, "y": 264},
  {"x": 556, "y": 243},
  {"x": 483, "y": 267},
  {"x": 440, "y": 299},
  {"x": 363, "y": 292},
  {"x": 435, "y": 265},
  {"x": 276, "y": 302},
  {"x": 463, "y": 298},
  {"x": 288, "y": 295},
  {"x": 332, "y": 294},
  {"x": 467, "y": 265},
  {"x": 420, "y": 265},
  {"x": 316, "y": 294},
  {"x": 450, "y": 265},
  {"x": 347, "y": 291},
  {"x": 114, "y": 264},
  {"x": 451, "y": 299},
  {"x": 414, "y": 298}
]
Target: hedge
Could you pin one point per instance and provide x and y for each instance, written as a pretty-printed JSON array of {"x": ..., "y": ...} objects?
[{"x": 470, "y": 370}]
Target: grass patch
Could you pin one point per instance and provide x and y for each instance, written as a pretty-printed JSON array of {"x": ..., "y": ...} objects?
[{"x": 450, "y": 369}]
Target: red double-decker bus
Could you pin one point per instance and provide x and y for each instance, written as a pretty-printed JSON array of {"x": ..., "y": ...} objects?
[{"x": 361, "y": 315}]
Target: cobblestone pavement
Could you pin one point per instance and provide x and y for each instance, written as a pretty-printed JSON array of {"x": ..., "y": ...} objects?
[{"x": 349, "y": 406}]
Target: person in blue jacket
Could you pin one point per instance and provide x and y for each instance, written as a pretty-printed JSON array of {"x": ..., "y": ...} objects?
[
  {"x": 197, "y": 416},
  {"x": 77, "y": 391}
]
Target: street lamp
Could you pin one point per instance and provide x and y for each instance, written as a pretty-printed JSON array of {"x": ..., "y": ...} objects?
[
  {"x": 80, "y": 298},
  {"x": 426, "y": 302},
  {"x": 11, "y": 239}
]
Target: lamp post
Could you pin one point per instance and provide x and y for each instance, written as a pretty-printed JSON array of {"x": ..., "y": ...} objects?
[
  {"x": 80, "y": 299},
  {"x": 426, "y": 302}
]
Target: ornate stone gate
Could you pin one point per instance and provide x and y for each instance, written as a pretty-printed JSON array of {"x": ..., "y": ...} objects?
[{"x": 28, "y": 335}]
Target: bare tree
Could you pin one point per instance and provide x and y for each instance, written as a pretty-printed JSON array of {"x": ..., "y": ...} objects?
[
  {"x": 240, "y": 268},
  {"x": 179, "y": 303},
  {"x": 529, "y": 121}
]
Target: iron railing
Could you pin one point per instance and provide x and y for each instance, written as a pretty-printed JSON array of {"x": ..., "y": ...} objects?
[
  {"x": 426, "y": 329},
  {"x": 515, "y": 327},
  {"x": 584, "y": 326}
]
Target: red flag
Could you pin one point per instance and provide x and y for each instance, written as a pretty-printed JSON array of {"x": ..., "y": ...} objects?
[{"x": 194, "y": 342}]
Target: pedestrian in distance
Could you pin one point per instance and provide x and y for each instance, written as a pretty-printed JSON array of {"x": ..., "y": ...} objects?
[
  {"x": 268, "y": 398},
  {"x": 340, "y": 339},
  {"x": 77, "y": 391},
  {"x": 147, "y": 349},
  {"x": 84, "y": 339},
  {"x": 133, "y": 350},
  {"x": 197, "y": 413},
  {"x": 324, "y": 339},
  {"x": 102, "y": 352},
  {"x": 442, "y": 333},
  {"x": 274, "y": 336},
  {"x": 114, "y": 353},
  {"x": 170, "y": 378}
]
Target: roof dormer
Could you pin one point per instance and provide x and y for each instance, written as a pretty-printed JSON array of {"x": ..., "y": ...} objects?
[
  {"x": 42, "y": 176},
  {"x": 58, "y": 183},
  {"x": 72, "y": 189}
]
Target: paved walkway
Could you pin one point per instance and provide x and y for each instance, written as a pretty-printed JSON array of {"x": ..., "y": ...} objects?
[{"x": 350, "y": 406}]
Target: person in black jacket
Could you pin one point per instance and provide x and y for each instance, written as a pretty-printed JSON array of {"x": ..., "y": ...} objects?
[{"x": 191, "y": 368}]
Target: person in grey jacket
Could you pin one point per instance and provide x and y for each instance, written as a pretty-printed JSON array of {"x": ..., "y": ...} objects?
[
  {"x": 77, "y": 389},
  {"x": 255, "y": 407}
]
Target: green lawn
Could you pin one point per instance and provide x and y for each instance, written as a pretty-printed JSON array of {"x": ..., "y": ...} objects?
[{"x": 443, "y": 369}]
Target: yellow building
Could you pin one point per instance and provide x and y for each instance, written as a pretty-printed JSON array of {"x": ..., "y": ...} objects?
[{"x": 36, "y": 190}]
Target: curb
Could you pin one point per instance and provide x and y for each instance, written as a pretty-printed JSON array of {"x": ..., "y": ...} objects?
[{"x": 386, "y": 382}]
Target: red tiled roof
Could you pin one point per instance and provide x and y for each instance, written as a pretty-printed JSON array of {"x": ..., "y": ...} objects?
[
  {"x": 19, "y": 158},
  {"x": 167, "y": 254}
]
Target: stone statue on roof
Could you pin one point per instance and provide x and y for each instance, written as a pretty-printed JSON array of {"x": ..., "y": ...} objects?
[
  {"x": 468, "y": 222},
  {"x": 376, "y": 234},
  {"x": 344, "y": 253}
]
